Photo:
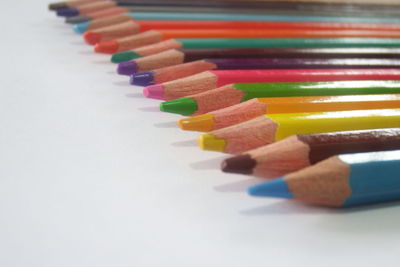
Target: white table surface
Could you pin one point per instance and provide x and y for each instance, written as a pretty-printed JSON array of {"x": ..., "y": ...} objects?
[{"x": 92, "y": 175}]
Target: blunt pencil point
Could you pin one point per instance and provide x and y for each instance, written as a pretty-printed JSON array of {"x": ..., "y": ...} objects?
[
  {"x": 184, "y": 106},
  {"x": 77, "y": 19},
  {"x": 92, "y": 38},
  {"x": 211, "y": 142},
  {"x": 123, "y": 56},
  {"x": 243, "y": 164},
  {"x": 276, "y": 188},
  {"x": 107, "y": 47},
  {"x": 154, "y": 91},
  {"x": 80, "y": 28},
  {"x": 127, "y": 68},
  {"x": 202, "y": 123},
  {"x": 142, "y": 78},
  {"x": 67, "y": 12}
]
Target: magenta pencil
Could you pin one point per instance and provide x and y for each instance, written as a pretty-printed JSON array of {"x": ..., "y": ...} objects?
[{"x": 216, "y": 78}]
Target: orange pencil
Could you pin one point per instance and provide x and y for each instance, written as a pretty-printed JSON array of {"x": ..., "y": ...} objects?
[
  {"x": 115, "y": 30},
  {"x": 259, "y": 106}
]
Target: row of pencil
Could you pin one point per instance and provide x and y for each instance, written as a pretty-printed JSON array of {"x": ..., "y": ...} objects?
[{"x": 296, "y": 93}]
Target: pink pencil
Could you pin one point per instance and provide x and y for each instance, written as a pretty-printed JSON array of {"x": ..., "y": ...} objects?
[{"x": 212, "y": 79}]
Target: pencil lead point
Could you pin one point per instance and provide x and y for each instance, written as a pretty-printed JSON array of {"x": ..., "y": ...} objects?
[
  {"x": 92, "y": 38},
  {"x": 107, "y": 47},
  {"x": 275, "y": 188},
  {"x": 67, "y": 12},
  {"x": 243, "y": 164},
  {"x": 77, "y": 19},
  {"x": 211, "y": 142},
  {"x": 142, "y": 78},
  {"x": 123, "y": 56},
  {"x": 80, "y": 27},
  {"x": 154, "y": 91},
  {"x": 184, "y": 106},
  {"x": 127, "y": 68},
  {"x": 201, "y": 123}
]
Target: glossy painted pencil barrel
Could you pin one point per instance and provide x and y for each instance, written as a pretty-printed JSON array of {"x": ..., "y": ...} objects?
[
  {"x": 208, "y": 80},
  {"x": 300, "y": 151},
  {"x": 187, "y": 28},
  {"x": 341, "y": 181},
  {"x": 267, "y": 129},
  {"x": 173, "y": 72},
  {"x": 233, "y": 94},
  {"x": 256, "y": 107},
  {"x": 198, "y": 54}
]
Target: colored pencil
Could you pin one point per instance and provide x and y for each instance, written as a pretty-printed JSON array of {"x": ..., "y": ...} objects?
[
  {"x": 247, "y": 110},
  {"x": 216, "y": 78},
  {"x": 265, "y": 16},
  {"x": 85, "y": 8},
  {"x": 233, "y": 94},
  {"x": 340, "y": 181},
  {"x": 146, "y": 71},
  {"x": 120, "y": 29},
  {"x": 111, "y": 47},
  {"x": 266, "y": 129},
  {"x": 197, "y": 54},
  {"x": 129, "y": 42},
  {"x": 69, "y": 4},
  {"x": 300, "y": 151}
]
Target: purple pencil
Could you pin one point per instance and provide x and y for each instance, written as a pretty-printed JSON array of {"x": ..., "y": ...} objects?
[{"x": 177, "y": 71}]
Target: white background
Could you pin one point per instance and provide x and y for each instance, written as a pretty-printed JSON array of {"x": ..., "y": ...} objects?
[{"x": 92, "y": 175}]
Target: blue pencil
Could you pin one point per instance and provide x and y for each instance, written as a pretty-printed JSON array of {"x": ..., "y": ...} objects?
[
  {"x": 81, "y": 27},
  {"x": 340, "y": 181}
]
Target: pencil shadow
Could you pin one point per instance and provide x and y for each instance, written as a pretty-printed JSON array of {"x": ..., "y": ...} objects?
[
  {"x": 187, "y": 143},
  {"x": 77, "y": 43},
  {"x": 171, "y": 124},
  {"x": 111, "y": 72},
  {"x": 296, "y": 207},
  {"x": 87, "y": 52},
  {"x": 286, "y": 207},
  {"x": 209, "y": 164},
  {"x": 240, "y": 186},
  {"x": 102, "y": 62},
  {"x": 149, "y": 109},
  {"x": 122, "y": 83}
]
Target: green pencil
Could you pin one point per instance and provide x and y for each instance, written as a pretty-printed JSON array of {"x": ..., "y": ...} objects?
[{"x": 232, "y": 94}]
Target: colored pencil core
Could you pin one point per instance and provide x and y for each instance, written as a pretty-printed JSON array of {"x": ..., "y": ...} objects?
[
  {"x": 67, "y": 12},
  {"x": 92, "y": 38},
  {"x": 243, "y": 164},
  {"x": 186, "y": 105},
  {"x": 142, "y": 78},
  {"x": 211, "y": 142},
  {"x": 202, "y": 123},
  {"x": 107, "y": 47},
  {"x": 276, "y": 188},
  {"x": 155, "y": 91},
  {"x": 127, "y": 68},
  {"x": 80, "y": 27},
  {"x": 123, "y": 56}
]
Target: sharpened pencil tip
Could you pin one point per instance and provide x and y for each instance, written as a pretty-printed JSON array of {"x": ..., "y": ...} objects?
[
  {"x": 154, "y": 91},
  {"x": 80, "y": 27},
  {"x": 92, "y": 38},
  {"x": 107, "y": 47},
  {"x": 142, "y": 78},
  {"x": 123, "y": 56},
  {"x": 127, "y": 68},
  {"x": 277, "y": 188},
  {"x": 184, "y": 106},
  {"x": 243, "y": 164},
  {"x": 211, "y": 142},
  {"x": 67, "y": 12},
  {"x": 201, "y": 123},
  {"x": 77, "y": 19}
]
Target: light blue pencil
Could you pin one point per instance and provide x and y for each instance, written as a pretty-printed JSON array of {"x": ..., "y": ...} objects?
[{"x": 341, "y": 181}]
